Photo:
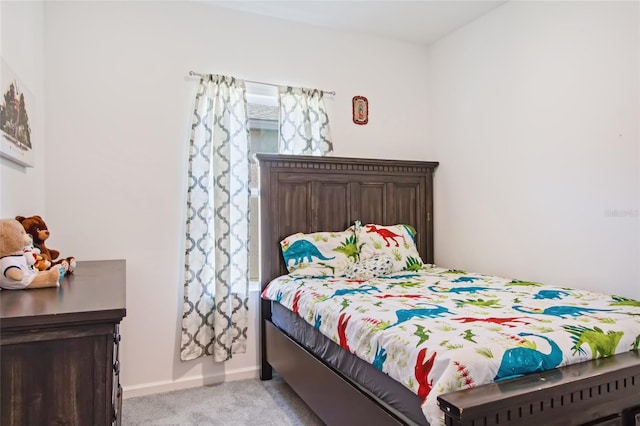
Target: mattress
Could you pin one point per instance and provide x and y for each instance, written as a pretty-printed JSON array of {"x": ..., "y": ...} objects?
[{"x": 439, "y": 330}]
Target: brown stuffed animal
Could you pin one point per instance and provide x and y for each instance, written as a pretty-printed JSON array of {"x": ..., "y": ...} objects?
[
  {"x": 16, "y": 271},
  {"x": 37, "y": 228}
]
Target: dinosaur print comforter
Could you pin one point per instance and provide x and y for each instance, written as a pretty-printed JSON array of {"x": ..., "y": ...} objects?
[{"x": 440, "y": 330}]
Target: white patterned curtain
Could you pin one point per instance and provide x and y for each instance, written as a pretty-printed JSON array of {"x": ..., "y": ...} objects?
[
  {"x": 214, "y": 320},
  {"x": 304, "y": 123}
]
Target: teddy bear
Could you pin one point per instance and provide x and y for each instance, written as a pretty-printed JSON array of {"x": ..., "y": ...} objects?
[
  {"x": 17, "y": 270},
  {"x": 37, "y": 228}
]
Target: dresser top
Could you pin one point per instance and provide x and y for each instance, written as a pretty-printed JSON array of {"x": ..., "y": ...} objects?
[{"x": 94, "y": 292}]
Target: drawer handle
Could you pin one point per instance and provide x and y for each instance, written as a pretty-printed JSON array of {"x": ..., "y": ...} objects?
[{"x": 116, "y": 366}]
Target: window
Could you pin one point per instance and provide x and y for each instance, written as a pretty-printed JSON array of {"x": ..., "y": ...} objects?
[{"x": 262, "y": 111}]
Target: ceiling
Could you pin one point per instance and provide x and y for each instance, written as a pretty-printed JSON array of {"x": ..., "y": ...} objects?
[{"x": 415, "y": 21}]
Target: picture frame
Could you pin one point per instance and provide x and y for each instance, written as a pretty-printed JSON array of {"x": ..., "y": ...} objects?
[
  {"x": 360, "y": 110},
  {"x": 16, "y": 112}
]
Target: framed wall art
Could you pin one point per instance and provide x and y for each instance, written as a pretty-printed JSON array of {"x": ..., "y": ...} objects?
[
  {"x": 16, "y": 108},
  {"x": 360, "y": 107}
]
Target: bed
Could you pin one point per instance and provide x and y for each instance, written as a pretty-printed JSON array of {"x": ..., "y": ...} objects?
[{"x": 313, "y": 194}]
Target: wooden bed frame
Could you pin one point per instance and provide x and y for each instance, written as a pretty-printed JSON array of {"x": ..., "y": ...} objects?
[{"x": 311, "y": 194}]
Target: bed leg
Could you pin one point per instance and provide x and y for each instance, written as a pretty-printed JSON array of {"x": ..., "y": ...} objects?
[{"x": 266, "y": 371}]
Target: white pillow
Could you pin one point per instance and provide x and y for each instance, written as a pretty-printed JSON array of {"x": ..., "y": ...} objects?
[{"x": 370, "y": 268}]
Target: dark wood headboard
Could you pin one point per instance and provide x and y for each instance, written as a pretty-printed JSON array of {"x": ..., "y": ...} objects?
[{"x": 311, "y": 194}]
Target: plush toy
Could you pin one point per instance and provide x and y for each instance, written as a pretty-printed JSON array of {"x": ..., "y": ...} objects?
[
  {"x": 16, "y": 269},
  {"x": 37, "y": 228},
  {"x": 30, "y": 255},
  {"x": 34, "y": 257}
]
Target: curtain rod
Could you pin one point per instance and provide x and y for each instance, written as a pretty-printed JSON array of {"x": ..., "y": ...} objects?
[{"x": 260, "y": 82}]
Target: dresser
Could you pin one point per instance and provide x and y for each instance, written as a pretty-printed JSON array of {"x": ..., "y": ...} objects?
[{"x": 59, "y": 361}]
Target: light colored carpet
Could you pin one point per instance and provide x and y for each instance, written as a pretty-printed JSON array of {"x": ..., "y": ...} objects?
[{"x": 246, "y": 402}]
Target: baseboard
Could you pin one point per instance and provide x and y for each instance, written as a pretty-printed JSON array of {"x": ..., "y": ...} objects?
[{"x": 189, "y": 382}]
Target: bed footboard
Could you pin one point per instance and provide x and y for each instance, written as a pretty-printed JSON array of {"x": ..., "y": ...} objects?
[{"x": 601, "y": 392}]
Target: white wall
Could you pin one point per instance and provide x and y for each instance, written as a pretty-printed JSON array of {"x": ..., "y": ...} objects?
[
  {"x": 118, "y": 111},
  {"x": 22, "y": 189},
  {"x": 533, "y": 113}
]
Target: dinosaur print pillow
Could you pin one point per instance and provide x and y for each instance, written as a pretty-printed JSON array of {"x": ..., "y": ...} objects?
[
  {"x": 396, "y": 242},
  {"x": 319, "y": 254}
]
